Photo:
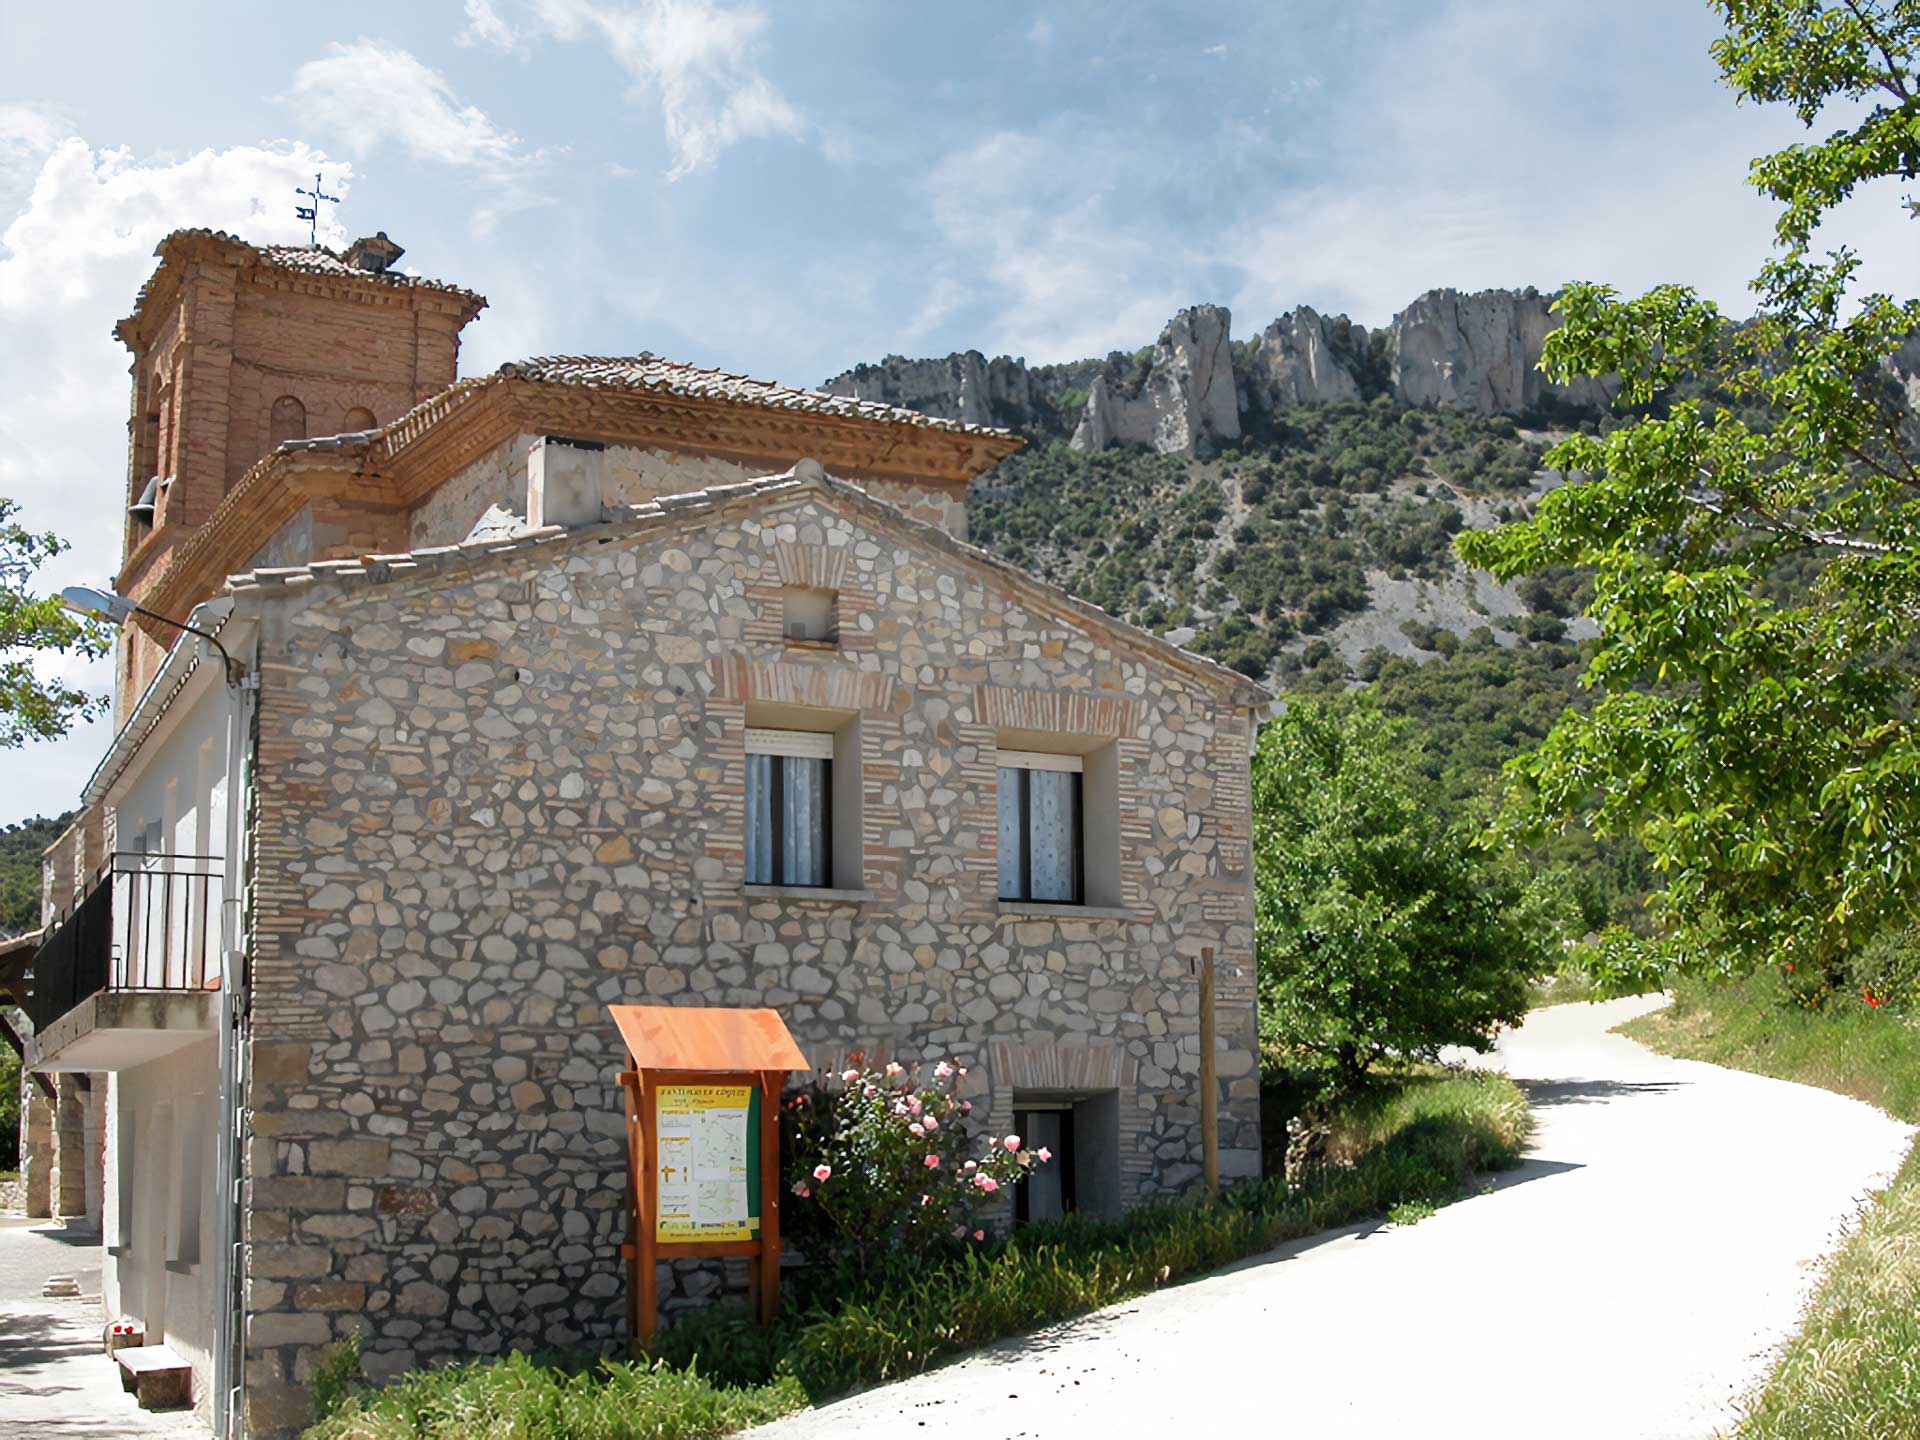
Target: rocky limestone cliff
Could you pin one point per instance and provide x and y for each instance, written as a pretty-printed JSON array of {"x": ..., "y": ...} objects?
[
  {"x": 1482, "y": 351},
  {"x": 1305, "y": 359},
  {"x": 1479, "y": 350},
  {"x": 1188, "y": 392},
  {"x": 966, "y": 387}
]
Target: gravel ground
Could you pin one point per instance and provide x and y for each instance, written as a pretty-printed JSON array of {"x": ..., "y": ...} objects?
[{"x": 1628, "y": 1282}]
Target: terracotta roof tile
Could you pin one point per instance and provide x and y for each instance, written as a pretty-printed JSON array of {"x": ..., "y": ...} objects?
[
  {"x": 314, "y": 260},
  {"x": 650, "y": 372},
  {"x": 304, "y": 259}
]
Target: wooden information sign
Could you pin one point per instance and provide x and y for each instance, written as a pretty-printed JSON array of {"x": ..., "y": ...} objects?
[{"x": 702, "y": 1089}]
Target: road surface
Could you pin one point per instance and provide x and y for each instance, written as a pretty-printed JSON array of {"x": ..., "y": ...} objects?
[{"x": 1630, "y": 1279}]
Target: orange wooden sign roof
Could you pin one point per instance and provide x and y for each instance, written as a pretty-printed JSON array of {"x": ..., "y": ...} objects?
[{"x": 706, "y": 1037}]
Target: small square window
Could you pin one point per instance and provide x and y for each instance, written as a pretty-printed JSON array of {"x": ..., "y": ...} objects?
[
  {"x": 1040, "y": 827},
  {"x": 808, "y": 615}
]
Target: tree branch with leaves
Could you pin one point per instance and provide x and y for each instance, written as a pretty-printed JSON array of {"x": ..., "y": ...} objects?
[
  {"x": 1753, "y": 528},
  {"x": 33, "y": 707}
]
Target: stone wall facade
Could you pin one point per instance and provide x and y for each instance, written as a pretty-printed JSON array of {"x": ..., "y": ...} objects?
[
  {"x": 493, "y": 801},
  {"x": 632, "y": 475}
]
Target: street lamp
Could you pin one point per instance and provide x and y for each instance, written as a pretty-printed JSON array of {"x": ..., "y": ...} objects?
[{"x": 117, "y": 610}]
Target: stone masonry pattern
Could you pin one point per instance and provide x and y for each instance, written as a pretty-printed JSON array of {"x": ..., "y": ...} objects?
[{"x": 490, "y": 804}]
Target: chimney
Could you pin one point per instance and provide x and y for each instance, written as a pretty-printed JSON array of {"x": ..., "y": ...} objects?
[
  {"x": 564, "y": 482},
  {"x": 373, "y": 253}
]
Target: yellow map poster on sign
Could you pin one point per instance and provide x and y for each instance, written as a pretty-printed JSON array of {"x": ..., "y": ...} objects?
[{"x": 707, "y": 1159}]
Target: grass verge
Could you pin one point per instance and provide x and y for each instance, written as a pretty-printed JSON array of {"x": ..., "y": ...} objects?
[
  {"x": 1853, "y": 1370},
  {"x": 1873, "y": 1055},
  {"x": 1411, "y": 1144}
]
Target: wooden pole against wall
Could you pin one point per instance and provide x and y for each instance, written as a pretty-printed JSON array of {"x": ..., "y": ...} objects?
[{"x": 1209, "y": 1089}]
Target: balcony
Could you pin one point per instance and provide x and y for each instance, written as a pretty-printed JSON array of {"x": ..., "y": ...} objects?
[{"x": 131, "y": 973}]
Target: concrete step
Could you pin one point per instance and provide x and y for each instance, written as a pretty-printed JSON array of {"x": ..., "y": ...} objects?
[{"x": 157, "y": 1376}]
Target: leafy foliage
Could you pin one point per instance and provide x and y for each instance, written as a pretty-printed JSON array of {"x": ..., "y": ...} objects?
[
  {"x": 21, "y": 847},
  {"x": 1754, "y": 541},
  {"x": 31, "y": 706},
  {"x": 1381, "y": 930},
  {"x": 10, "y": 1101}
]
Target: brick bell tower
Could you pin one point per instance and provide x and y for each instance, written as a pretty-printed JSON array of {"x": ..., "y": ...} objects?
[{"x": 240, "y": 348}]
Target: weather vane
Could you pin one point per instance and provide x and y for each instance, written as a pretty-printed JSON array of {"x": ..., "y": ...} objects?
[{"x": 311, "y": 213}]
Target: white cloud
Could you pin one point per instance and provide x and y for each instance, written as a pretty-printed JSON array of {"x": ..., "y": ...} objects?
[
  {"x": 1057, "y": 237},
  {"x": 73, "y": 254},
  {"x": 28, "y": 130},
  {"x": 485, "y": 27},
  {"x": 698, "y": 58},
  {"x": 369, "y": 95}
]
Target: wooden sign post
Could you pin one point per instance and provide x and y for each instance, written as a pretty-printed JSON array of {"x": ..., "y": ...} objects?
[{"x": 702, "y": 1089}]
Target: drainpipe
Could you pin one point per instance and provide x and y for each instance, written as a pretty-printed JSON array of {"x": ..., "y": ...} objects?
[{"x": 229, "y": 1274}]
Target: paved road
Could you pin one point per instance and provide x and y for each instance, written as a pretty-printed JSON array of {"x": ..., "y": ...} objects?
[
  {"x": 54, "y": 1380},
  {"x": 1626, "y": 1283}
]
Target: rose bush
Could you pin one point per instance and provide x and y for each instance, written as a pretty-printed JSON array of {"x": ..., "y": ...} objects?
[{"x": 880, "y": 1165}]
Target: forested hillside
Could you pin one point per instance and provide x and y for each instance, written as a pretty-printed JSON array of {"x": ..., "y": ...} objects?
[{"x": 20, "y": 847}]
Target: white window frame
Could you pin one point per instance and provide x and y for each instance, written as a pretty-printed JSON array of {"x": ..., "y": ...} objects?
[
  {"x": 1041, "y": 760},
  {"x": 803, "y": 744}
]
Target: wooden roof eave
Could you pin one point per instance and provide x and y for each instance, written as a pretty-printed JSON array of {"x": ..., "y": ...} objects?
[
  {"x": 272, "y": 492},
  {"x": 753, "y": 435}
]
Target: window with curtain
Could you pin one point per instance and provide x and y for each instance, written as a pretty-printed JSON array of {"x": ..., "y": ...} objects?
[
  {"x": 789, "y": 808},
  {"x": 1040, "y": 828}
]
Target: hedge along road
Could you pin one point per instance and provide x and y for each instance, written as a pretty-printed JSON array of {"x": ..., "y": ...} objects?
[{"x": 1630, "y": 1279}]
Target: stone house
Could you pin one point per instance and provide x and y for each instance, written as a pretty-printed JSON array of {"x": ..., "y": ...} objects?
[{"x": 583, "y": 682}]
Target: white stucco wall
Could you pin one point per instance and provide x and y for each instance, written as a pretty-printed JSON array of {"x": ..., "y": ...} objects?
[
  {"x": 633, "y": 474},
  {"x": 174, "y": 803},
  {"x": 159, "y": 1208}
]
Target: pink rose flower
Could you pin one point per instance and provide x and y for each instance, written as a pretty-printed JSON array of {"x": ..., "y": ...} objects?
[
  {"x": 1045, "y": 1154},
  {"x": 973, "y": 1164},
  {"x": 963, "y": 1070},
  {"x": 916, "y": 1130},
  {"x": 929, "y": 1123},
  {"x": 1012, "y": 1142},
  {"x": 933, "y": 1162},
  {"x": 800, "y": 1189},
  {"x": 847, "y": 1077},
  {"x": 986, "y": 1183},
  {"x": 942, "y": 1070},
  {"x": 966, "y": 1107},
  {"x": 979, "y": 1234},
  {"x": 822, "y": 1172},
  {"x": 894, "y": 1067}
]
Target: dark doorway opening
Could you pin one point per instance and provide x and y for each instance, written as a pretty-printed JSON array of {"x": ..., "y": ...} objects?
[{"x": 1048, "y": 1191}]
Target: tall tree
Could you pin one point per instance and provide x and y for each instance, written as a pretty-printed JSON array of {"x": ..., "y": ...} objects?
[
  {"x": 1382, "y": 930},
  {"x": 33, "y": 707},
  {"x": 1754, "y": 535}
]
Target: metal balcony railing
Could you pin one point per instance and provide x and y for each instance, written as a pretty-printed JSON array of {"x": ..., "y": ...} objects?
[{"x": 149, "y": 922}]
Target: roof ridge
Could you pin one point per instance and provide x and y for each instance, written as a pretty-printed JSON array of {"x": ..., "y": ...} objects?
[
  {"x": 647, "y": 371},
  {"x": 805, "y": 475}
]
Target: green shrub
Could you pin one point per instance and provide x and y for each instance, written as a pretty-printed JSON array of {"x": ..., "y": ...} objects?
[
  {"x": 336, "y": 1377},
  {"x": 518, "y": 1398},
  {"x": 882, "y": 1166}
]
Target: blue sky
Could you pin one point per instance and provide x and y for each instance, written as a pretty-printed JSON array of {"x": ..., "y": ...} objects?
[{"x": 788, "y": 190}]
